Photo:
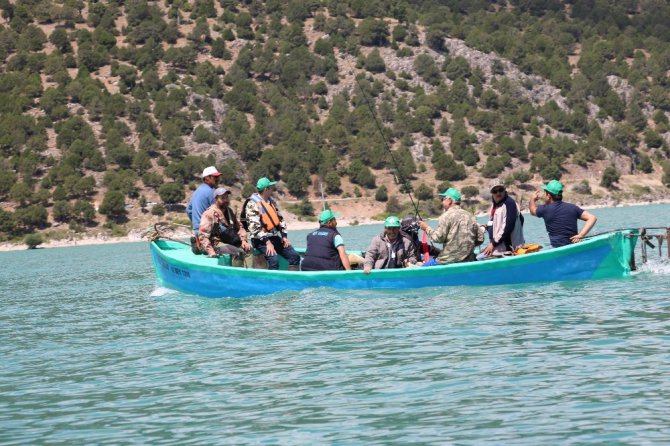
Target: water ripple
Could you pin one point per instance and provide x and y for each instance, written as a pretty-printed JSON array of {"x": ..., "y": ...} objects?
[{"x": 101, "y": 356}]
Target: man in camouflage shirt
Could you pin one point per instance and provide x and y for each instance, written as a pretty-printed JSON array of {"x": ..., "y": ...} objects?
[
  {"x": 457, "y": 229},
  {"x": 267, "y": 228},
  {"x": 216, "y": 218}
]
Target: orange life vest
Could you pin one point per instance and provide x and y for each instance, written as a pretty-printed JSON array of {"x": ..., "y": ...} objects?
[
  {"x": 527, "y": 249},
  {"x": 269, "y": 216}
]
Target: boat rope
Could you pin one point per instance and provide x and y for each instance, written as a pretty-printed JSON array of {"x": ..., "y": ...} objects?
[
  {"x": 404, "y": 182},
  {"x": 159, "y": 232}
]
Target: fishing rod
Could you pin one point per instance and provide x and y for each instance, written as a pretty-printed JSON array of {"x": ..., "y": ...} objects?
[{"x": 401, "y": 179}]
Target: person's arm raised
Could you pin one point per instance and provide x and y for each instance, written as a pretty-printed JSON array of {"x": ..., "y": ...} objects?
[{"x": 532, "y": 206}]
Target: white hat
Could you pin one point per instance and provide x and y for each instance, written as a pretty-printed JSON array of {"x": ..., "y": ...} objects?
[
  {"x": 211, "y": 170},
  {"x": 497, "y": 182}
]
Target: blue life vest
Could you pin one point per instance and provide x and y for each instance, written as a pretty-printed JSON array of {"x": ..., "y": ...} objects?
[{"x": 321, "y": 254}]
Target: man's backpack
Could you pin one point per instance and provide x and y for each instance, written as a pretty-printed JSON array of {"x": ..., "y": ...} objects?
[{"x": 243, "y": 215}]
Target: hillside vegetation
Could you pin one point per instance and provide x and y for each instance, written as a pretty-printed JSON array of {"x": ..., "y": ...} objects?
[{"x": 109, "y": 110}]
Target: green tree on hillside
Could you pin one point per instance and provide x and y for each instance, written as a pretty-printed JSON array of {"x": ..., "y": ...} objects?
[
  {"x": 373, "y": 32},
  {"x": 114, "y": 206},
  {"x": 374, "y": 62},
  {"x": 31, "y": 217},
  {"x": 83, "y": 212},
  {"x": 332, "y": 180},
  {"x": 33, "y": 240},
  {"x": 171, "y": 193},
  {"x": 610, "y": 177},
  {"x": 382, "y": 194},
  {"x": 360, "y": 174}
]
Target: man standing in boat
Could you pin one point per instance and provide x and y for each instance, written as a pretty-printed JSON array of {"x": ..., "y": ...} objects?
[
  {"x": 220, "y": 232},
  {"x": 560, "y": 218},
  {"x": 203, "y": 197},
  {"x": 505, "y": 225},
  {"x": 457, "y": 229},
  {"x": 325, "y": 246},
  {"x": 267, "y": 228}
]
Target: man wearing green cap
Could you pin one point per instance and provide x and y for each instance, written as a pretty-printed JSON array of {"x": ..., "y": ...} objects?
[
  {"x": 389, "y": 249},
  {"x": 325, "y": 246},
  {"x": 266, "y": 227},
  {"x": 457, "y": 230},
  {"x": 560, "y": 218}
]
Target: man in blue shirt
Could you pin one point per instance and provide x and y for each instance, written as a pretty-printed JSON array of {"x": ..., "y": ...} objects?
[
  {"x": 560, "y": 218},
  {"x": 203, "y": 197}
]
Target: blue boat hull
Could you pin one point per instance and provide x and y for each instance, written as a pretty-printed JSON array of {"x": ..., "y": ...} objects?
[{"x": 600, "y": 257}]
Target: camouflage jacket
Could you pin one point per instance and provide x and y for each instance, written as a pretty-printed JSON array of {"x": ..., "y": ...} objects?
[
  {"x": 210, "y": 218},
  {"x": 253, "y": 220},
  {"x": 458, "y": 231}
]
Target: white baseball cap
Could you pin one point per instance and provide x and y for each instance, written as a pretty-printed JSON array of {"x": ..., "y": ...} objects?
[{"x": 210, "y": 171}]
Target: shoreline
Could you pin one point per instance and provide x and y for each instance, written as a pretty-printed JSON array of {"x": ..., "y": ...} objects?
[{"x": 295, "y": 225}]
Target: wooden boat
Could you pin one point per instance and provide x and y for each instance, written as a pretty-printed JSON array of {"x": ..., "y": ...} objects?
[{"x": 604, "y": 256}]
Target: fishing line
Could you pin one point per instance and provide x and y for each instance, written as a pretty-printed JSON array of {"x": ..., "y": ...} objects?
[{"x": 401, "y": 179}]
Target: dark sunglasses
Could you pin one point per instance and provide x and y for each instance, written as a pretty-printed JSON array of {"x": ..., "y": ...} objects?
[{"x": 498, "y": 190}]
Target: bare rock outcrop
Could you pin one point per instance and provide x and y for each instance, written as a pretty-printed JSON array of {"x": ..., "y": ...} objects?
[
  {"x": 621, "y": 87},
  {"x": 221, "y": 151},
  {"x": 536, "y": 89}
]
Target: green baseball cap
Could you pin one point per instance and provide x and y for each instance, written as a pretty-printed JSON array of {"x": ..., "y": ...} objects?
[
  {"x": 327, "y": 215},
  {"x": 392, "y": 222},
  {"x": 554, "y": 187},
  {"x": 451, "y": 193},
  {"x": 264, "y": 183}
]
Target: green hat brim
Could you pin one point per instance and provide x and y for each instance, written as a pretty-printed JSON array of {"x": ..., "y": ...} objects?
[
  {"x": 329, "y": 217},
  {"x": 262, "y": 186}
]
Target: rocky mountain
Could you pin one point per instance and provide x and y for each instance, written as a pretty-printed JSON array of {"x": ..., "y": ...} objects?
[{"x": 109, "y": 110}]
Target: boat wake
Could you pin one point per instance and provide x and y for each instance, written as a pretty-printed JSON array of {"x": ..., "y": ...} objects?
[
  {"x": 162, "y": 291},
  {"x": 658, "y": 267}
]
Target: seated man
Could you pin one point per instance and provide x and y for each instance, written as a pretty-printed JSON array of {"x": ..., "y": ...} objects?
[
  {"x": 389, "y": 249},
  {"x": 505, "y": 226},
  {"x": 560, "y": 218},
  {"x": 220, "y": 232},
  {"x": 325, "y": 246},
  {"x": 457, "y": 229},
  {"x": 267, "y": 227}
]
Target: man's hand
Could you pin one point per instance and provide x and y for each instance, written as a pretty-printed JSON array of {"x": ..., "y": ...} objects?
[
  {"x": 246, "y": 246},
  {"x": 270, "y": 249},
  {"x": 576, "y": 238},
  {"x": 212, "y": 256},
  {"x": 423, "y": 225},
  {"x": 367, "y": 269},
  {"x": 285, "y": 242},
  {"x": 488, "y": 250}
]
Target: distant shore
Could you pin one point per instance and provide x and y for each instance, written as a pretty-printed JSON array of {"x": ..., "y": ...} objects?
[{"x": 293, "y": 224}]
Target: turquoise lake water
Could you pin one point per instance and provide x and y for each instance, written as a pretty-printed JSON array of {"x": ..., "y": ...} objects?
[{"x": 93, "y": 352}]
